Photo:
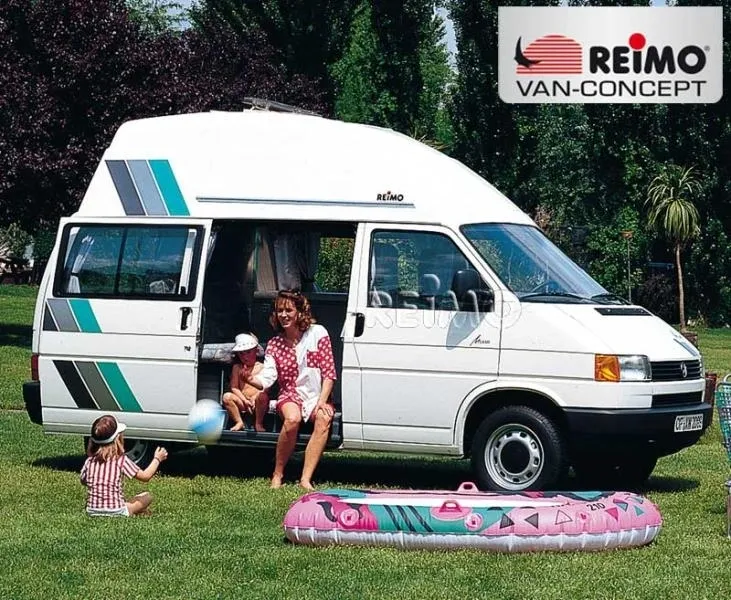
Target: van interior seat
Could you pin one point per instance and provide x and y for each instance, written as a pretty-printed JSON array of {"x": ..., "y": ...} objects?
[{"x": 384, "y": 284}]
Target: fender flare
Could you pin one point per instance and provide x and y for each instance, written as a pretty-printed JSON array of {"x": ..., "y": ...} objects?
[{"x": 492, "y": 387}]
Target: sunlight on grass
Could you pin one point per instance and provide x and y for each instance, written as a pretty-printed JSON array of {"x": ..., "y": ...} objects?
[
  {"x": 215, "y": 535},
  {"x": 216, "y": 530}
]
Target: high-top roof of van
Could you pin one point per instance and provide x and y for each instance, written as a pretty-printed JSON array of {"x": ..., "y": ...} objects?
[{"x": 272, "y": 165}]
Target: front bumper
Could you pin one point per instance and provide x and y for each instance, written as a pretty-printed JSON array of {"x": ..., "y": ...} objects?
[
  {"x": 32, "y": 398},
  {"x": 626, "y": 431}
]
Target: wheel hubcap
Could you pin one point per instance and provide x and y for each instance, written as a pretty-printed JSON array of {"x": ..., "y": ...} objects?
[
  {"x": 135, "y": 449},
  {"x": 514, "y": 456}
]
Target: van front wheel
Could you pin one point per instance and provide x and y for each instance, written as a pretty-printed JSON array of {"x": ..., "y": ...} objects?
[{"x": 518, "y": 448}]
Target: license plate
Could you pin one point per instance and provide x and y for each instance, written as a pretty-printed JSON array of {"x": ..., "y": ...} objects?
[{"x": 688, "y": 423}]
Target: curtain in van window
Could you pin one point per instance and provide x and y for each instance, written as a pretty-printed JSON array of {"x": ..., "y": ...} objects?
[
  {"x": 73, "y": 286},
  {"x": 266, "y": 277},
  {"x": 285, "y": 257},
  {"x": 296, "y": 256}
]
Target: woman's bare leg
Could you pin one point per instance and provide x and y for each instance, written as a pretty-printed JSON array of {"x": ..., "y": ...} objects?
[
  {"x": 315, "y": 448},
  {"x": 139, "y": 503},
  {"x": 231, "y": 406},
  {"x": 292, "y": 417}
]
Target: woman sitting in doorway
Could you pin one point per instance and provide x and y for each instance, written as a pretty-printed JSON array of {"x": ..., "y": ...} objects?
[{"x": 300, "y": 358}]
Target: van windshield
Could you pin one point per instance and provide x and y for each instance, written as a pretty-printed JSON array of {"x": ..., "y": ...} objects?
[{"x": 533, "y": 267}]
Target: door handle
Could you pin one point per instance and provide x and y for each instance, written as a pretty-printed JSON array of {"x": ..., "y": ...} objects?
[
  {"x": 186, "y": 312},
  {"x": 359, "y": 324}
]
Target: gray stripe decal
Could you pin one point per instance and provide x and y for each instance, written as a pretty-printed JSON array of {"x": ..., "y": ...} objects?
[
  {"x": 48, "y": 323},
  {"x": 63, "y": 315},
  {"x": 147, "y": 188},
  {"x": 97, "y": 388},
  {"x": 125, "y": 187},
  {"x": 353, "y": 204}
]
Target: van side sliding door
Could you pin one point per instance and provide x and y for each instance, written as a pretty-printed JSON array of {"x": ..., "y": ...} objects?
[{"x": 121, "y": 322}]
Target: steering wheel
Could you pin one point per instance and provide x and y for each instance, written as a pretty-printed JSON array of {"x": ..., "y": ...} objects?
[{"x": 545, "y": 287}]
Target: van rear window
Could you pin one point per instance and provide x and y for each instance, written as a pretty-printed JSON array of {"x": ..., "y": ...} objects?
[{"x": 135, "y": 261}]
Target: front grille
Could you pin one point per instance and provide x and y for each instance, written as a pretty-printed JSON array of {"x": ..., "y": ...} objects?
[
  {"x": 677, "y": 399},
  {"x": 672, "y": 370}
]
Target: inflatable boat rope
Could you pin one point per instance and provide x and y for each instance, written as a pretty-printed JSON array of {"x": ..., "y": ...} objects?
[{"x": 468, "y": 518}]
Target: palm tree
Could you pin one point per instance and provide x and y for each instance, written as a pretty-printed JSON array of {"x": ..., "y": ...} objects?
[{"x": 670, "y": 198}]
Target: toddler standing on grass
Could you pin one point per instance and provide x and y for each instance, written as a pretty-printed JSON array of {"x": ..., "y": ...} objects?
[{"x": 106, "y": 463}]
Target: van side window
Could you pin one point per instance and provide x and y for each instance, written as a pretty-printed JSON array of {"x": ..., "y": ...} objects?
[
  {"x": 420, "y": 270},
  {"x": 145, "y": 262}
]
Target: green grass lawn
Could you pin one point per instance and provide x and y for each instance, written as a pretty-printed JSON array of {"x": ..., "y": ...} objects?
[
  {"x": 216, "y": 532},
  {"x": 16, "y": 328}
]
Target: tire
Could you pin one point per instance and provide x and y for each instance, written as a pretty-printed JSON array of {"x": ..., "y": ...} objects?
[
  {"x": 141, "y": 452},
  {"x": 614, "y": 472},
  {"x": 518, "y": 448}
]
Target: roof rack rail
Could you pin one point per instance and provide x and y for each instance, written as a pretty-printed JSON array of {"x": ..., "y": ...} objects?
[{"x": 260, "y": 104}]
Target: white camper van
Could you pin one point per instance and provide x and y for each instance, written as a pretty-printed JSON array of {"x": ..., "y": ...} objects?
[{"x": 458, "y": 328}]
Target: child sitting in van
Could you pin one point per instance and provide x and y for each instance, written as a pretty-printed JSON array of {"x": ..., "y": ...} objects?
[
  {"x": 244, "y": 397},
  {"x": 106, "y": 463}
]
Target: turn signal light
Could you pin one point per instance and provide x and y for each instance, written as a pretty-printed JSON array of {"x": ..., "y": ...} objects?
[
  {"x": 606, "y": 367},
  {"x": 34, "y": 367}
]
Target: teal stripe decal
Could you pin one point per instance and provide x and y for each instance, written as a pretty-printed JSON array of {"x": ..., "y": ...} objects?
[
  {"x": 171, "y": 194},
  {"x": 119, "y": 387},
  {"x": 84, "y": 316}
]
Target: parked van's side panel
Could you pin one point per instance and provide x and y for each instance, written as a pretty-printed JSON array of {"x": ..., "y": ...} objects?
[
  {"x": 422, "y": 348},
  {"x": 119, "y": 324}
]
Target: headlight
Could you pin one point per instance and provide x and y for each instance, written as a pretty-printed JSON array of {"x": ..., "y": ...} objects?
[{"x": 610, "y": 367}]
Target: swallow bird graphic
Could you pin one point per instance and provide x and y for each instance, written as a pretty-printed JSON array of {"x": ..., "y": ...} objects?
[{"x": 522, "y": 59}]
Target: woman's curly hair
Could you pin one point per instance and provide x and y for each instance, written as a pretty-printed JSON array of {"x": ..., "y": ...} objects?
[{"x": 301, "y": 305}]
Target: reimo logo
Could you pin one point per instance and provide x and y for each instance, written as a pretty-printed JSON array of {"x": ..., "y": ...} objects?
[
  {"x": 389, "y": 197},
  {"x": 610, "y": 54}
]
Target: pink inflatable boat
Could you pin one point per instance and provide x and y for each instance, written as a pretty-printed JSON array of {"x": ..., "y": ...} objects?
[{"x": 468, "y": 518}]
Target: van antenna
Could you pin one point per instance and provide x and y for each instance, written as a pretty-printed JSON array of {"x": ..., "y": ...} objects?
[{"x": 260, "y": 104}]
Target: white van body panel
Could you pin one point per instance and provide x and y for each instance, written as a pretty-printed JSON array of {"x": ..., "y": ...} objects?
[
  {"x": 328, "y": 169},
  {"x": 112, "y": 355},
  {"x": 418, "y": 365}
]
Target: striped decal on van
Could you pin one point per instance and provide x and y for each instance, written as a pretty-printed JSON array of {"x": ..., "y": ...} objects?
[
  {"x": 147, "y": 188},
  {"x": 97, "y": 385},
  {"x": 70, "y": 315}
]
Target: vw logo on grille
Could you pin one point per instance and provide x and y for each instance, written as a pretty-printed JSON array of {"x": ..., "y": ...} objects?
[{"x": 683, "y": 370}]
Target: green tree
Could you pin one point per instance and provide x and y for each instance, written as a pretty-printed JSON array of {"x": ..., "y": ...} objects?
[
  {"x": 309, "y": 37},
  {"x": 670, "y": 199},
  {"x": 360, "y": 75},
  {"x": 433, "y": 122},
  {"x": 156, "y": 16},
  {"x": 394, "y": 69}
]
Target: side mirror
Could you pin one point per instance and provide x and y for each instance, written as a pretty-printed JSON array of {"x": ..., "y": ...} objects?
[{"x": 471, "y": 292}]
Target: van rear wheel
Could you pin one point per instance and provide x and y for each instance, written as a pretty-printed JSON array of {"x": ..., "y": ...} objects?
[
  {"x": 140, "y": 452},
  {"x": 518, "y": 448}
]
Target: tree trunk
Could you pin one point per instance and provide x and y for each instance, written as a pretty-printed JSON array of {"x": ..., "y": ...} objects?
[{"x": 681, "y": 292}]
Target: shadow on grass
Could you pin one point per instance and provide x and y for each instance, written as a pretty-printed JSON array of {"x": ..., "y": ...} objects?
[
  {"x": 16, "y": 335},
  {"x": 348, "y": 471}
]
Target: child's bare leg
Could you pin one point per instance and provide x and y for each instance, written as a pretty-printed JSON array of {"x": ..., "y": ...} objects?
[
  {"x": 231, "y": 406},
  {"x": 139, "y": 503},
  {"x": 262, "y": 408},
  {"x": 261, "y": 400}
]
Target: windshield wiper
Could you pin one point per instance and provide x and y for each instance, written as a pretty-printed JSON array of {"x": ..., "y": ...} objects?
[
  {"x": 609, "y": 298},
  {"x": 535, "y": 295}
]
